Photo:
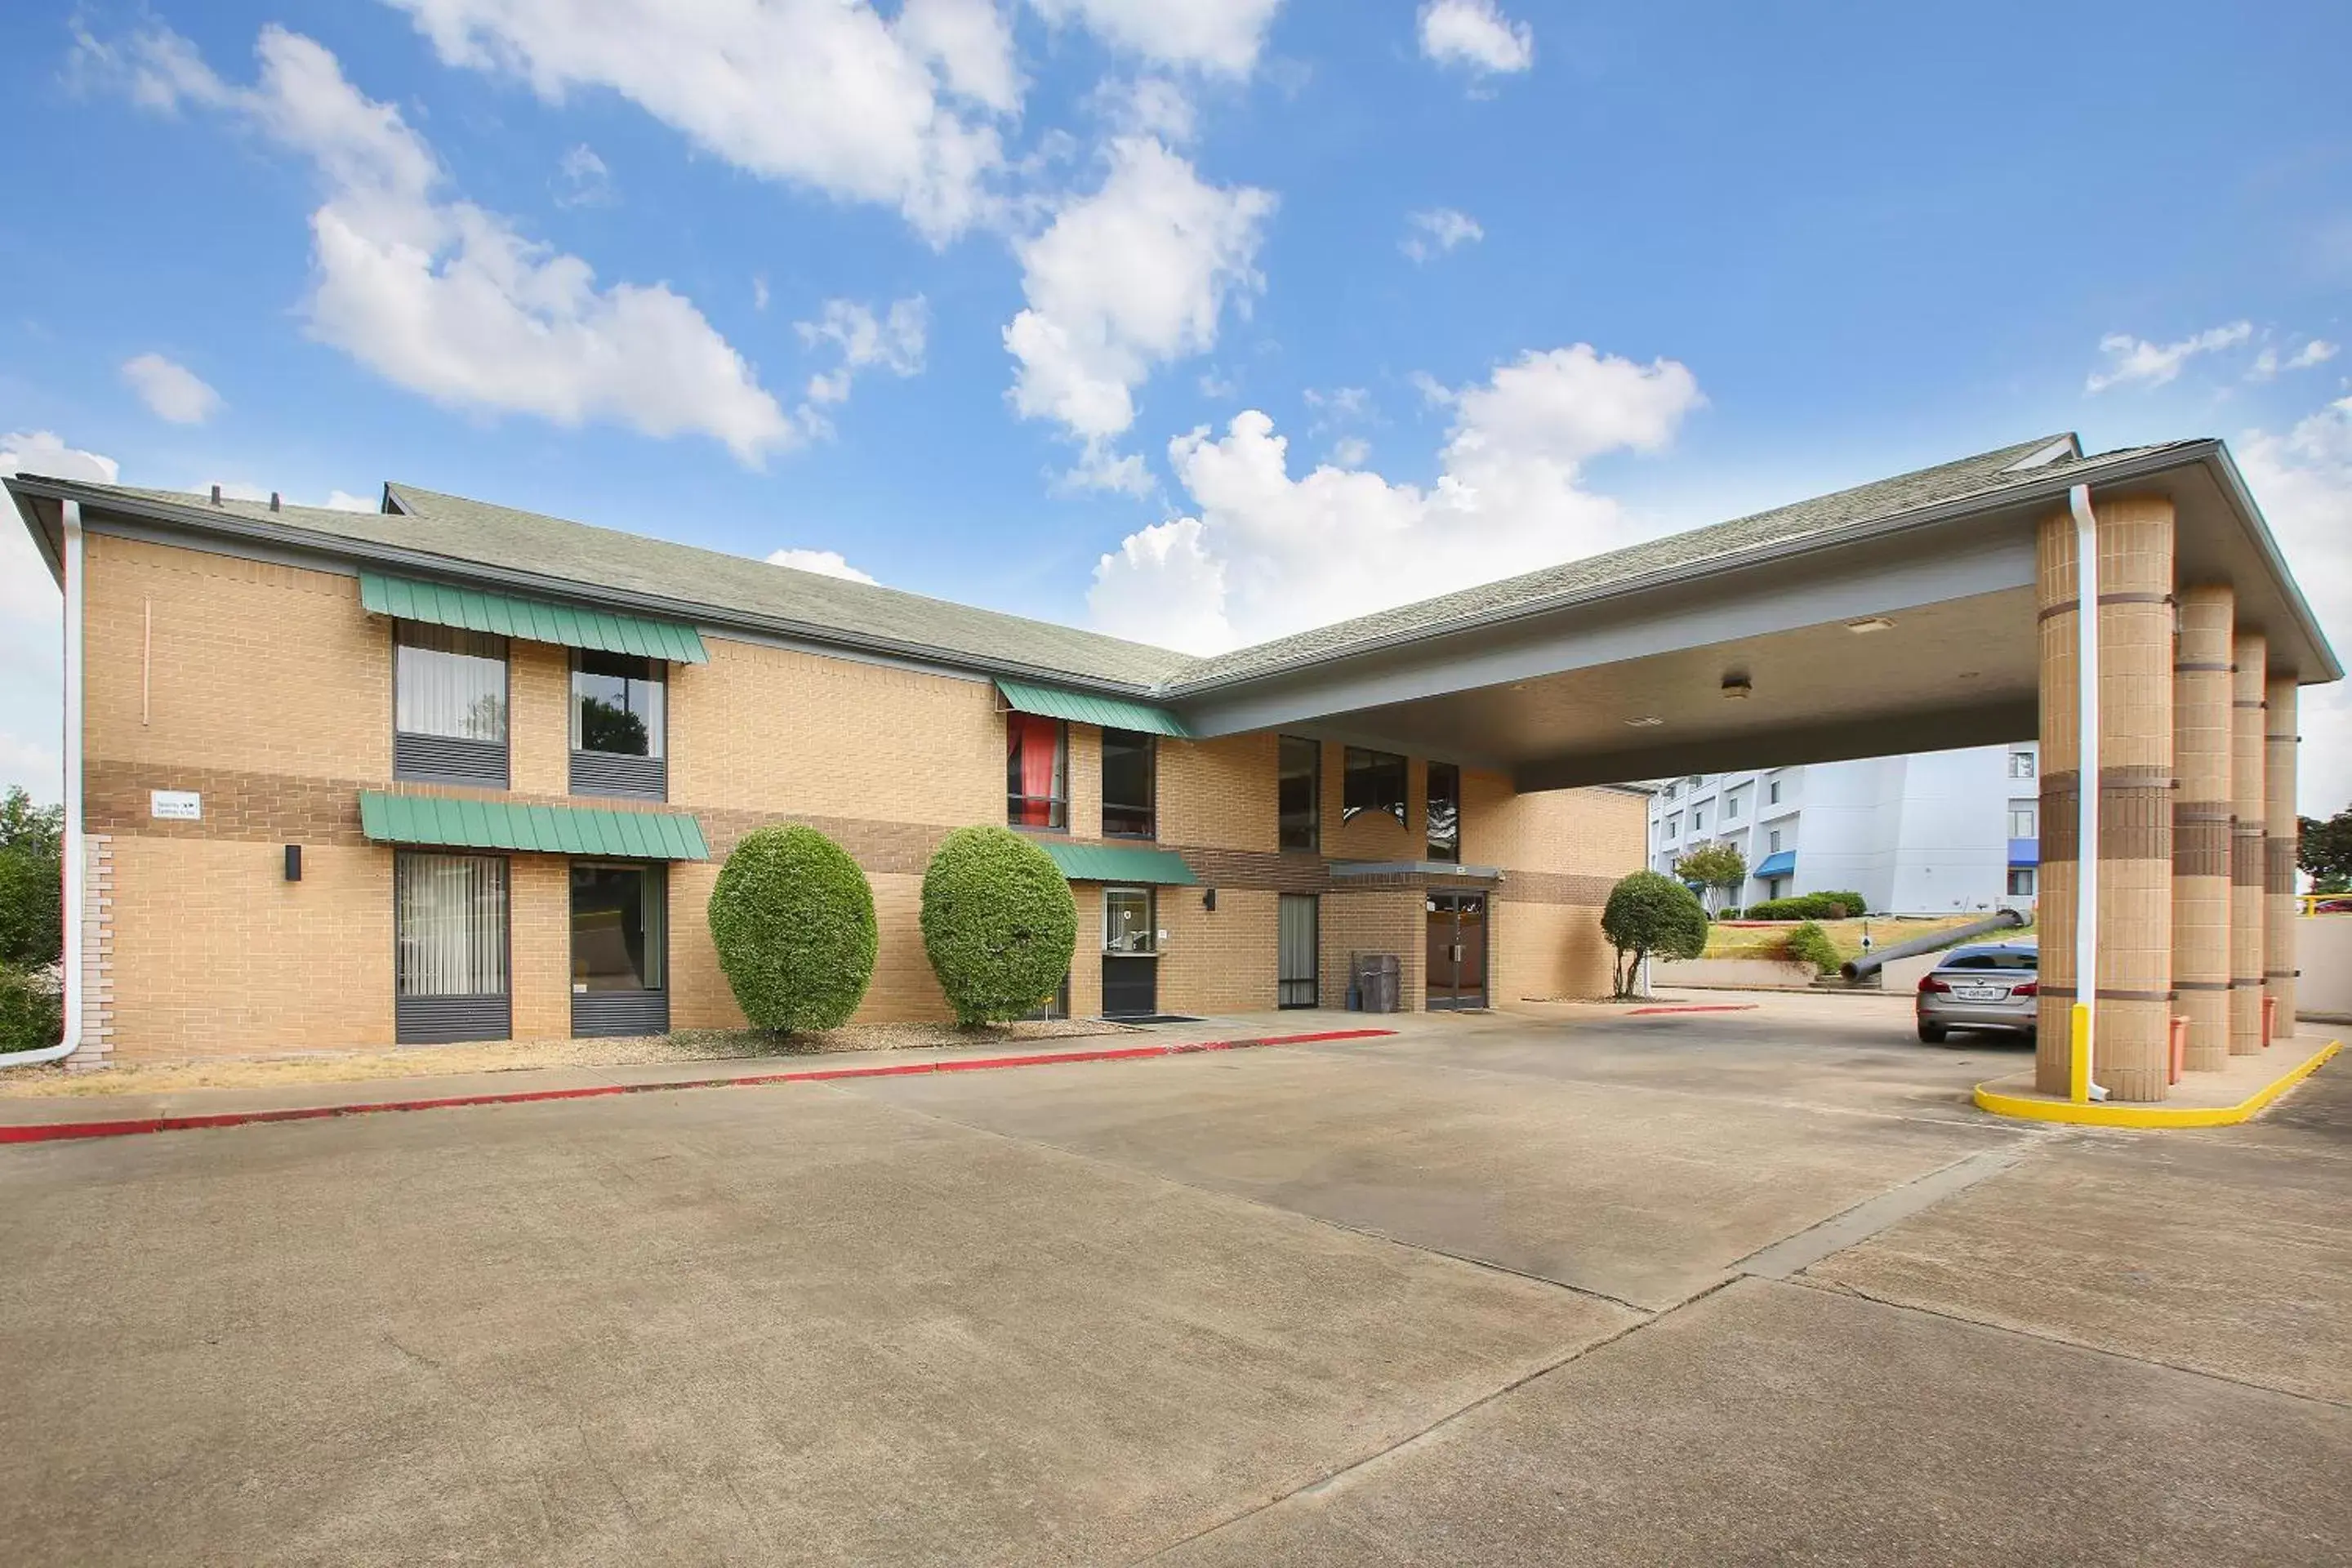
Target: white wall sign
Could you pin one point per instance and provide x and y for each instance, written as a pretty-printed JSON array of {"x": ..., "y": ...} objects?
[{"x": 175, "y": 804}]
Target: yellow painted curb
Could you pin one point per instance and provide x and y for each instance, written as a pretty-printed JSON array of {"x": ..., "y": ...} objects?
[{"x": 2108, "y": 1113}]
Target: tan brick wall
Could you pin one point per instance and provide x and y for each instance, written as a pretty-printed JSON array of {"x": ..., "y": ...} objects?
[
  {"x": 1597, "y": 832},
  {"x": 539, "y": 718},
  {"x": 215, "y": 953},
  {"x": 538, "y": 944},
  {"x": 1221, "y": 792},
  {"x": 1380, "y": 920},
  {"x": 253, "y": 666},
  {"x": 1220, "y": 960},
  {"x": 768, "y": 729},
  {"x": 1539, "y": 951}
]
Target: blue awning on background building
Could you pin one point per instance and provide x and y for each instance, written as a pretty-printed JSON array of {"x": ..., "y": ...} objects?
[
  {"x": 1783, "y": 864},
  {"x": 2024, "y": 852}
]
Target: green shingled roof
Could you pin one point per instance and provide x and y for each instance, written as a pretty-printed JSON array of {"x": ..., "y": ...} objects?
[
  {"x": 456, "y": 823},
  {"x": 1089, "y": 708},
  {"x": 533, "y": 620},
  {"x": 1120, "y": 863}
]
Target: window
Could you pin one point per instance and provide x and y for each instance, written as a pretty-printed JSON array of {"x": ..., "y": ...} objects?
[
  {"x": 1036, "y": 771},
  {"x": 2021, "y": 765},
  {"x": 2012, "y": 959},
  {"x": 1673, "y": 789},
  {"x": 1444, "y": 811},
  {"x": 1772, "y": 793},
  {"x": 2024, "y": 819},
  {"x": 1128, "y": 765},
  {"x": 1297, "y": 972},
  {"x": 2021, "y": 881},
  {"x": 1674, "y": 824},
  {"x": 449, "y": 948},
  {"x": 1730, "y": 806},
  {"x": 620, "y": 948},
  {"x": 1698, "y": 817},
  {"x": 616, "y": 704},
  {"x": 1298, "y": 791},
  {"x": 1127, "y": 922},
  {"x": 618, "y": 725},
  {"x": 1772, "y": 844},
  {"x": 448, "y": 705},
  {"x": 1375, "y": 782}
]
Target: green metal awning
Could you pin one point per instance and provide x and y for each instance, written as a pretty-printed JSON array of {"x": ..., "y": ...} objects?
[
  {"x": 456, "y": 824},
  {"x": 533, "y": 620},
  {"x": 1119, "y": 863},
  {"x": 1091, "y": 708}
]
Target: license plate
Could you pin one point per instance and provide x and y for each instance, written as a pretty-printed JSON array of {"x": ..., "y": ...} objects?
[{"x": 1978, "y": 993}]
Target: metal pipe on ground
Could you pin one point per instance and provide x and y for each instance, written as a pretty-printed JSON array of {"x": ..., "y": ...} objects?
[{"x": 1867, "y": 964}]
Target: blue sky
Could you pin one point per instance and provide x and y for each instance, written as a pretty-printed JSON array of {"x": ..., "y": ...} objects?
[{"x": 1012, "y": 302}]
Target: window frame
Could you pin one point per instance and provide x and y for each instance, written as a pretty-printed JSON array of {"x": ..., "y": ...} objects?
[
  {"x": 2024, "y": 765},
  {"x": 1448, "y": 850},
  {"x": 1376, "y": 765},
  {"x": 622, "y": 774},
  {"x": 1058, "y": 805},
  {"x": 1148, "y": 744},
  {"x": 422, "y": 756},
  {"x": 2030, "y": 889},
  {"x": 657, "y": 734},
  {"x": 1314, "y": 845},
  {"x": 443, "y": 1017},
  {"x": 1150, "y": 894}
]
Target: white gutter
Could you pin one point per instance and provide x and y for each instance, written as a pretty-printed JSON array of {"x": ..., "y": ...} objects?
[
  {"x": 2081, "y": 1083},
  {"x": 73, "y": 853}
]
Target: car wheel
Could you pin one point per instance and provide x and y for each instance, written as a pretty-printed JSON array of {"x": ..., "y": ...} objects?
[{"x": 1932, "y": 1034}]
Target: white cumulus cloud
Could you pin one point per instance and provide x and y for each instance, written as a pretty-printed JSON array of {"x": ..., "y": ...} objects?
[
  {"x": 583, "y": 179},
  {"x": 43, "y": 452},
  {"x": 1437, "y": 231},
  {"x": 445, "y": 298},
  {"x": 1265, "y": 554},
  {"x": 1221, "y": 36},
  {"x": 2303, "y": 481},
  {"x": 2131, "y": 359},
  {"x": 2268, "y": 364},
  {"x": 171, "y": 391},
  {"x": 824, "y": 562},
  {"x": 826, "y": 94},
  {"x": 1475, "y": 33},
  {"x": 892, "y": 341},
  {"x": 1122, "y": 281}
]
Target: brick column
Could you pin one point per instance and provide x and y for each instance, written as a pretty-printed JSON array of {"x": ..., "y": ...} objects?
[
  {"x": 2201, "y": 814},
  {"x": 96, "y": 1049},
  {"x": 2133, "y": 964},
  {"x": 2283, "y": 834},
  {"x": 2247, "y": 915}
]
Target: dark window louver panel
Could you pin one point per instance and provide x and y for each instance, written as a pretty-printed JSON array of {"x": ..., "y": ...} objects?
[
  {"x": 438, "y": 1020},
  {"x": 635, "y": 778},
  {"x": 620, "y": 1013},
  {"x": 443, "y": 758}
]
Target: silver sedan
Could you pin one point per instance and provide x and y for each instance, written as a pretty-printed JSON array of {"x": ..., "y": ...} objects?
[{"x": 1991, "y": 986}]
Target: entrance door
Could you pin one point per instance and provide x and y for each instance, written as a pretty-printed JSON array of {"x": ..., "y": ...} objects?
[
  {"x": 1456, "y": 972},
  {"x": 1130, "y": 973},
  {"x": 1297, "y": 980},
  {"x": 620, "y": 948}
]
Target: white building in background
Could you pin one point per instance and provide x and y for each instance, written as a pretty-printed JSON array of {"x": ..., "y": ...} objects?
[{"x": 1929, "y": 833}]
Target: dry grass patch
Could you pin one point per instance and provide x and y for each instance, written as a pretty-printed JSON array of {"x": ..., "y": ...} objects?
[
  {"x": 509, "y": 1055},
  {"x": 1735, "y": 940}
]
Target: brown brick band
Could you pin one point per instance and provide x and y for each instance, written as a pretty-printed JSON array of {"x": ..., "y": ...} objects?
[
  {"x": 2068, "y": 606},
  {"x": 2281, "y": 974},
  {"x": 2201, "y": 846},
  {"x": 2246, "y": 859},
  {"x": 2104, "y": 995},
  {"x": 2201, "y": 985},
  {"x": 2134, "y": 822},
  {"x": 2069, "y": 781},
  {"x": 2200, "y": 667}
]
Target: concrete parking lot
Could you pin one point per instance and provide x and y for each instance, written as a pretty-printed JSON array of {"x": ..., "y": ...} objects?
[{"x": 1553, "y": 1287}]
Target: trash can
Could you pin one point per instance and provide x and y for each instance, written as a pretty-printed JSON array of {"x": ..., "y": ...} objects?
[{"x": 1373, "y": 981}]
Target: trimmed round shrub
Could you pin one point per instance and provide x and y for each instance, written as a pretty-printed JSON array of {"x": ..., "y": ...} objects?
[
  {"x": 1649, "y": 912},
  {"x": 999, "y": 924},
  {"x": 793, "y": 918}
]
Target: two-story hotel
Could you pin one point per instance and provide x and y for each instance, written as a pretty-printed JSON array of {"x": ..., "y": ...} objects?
[{"x": 456, "y": 771}]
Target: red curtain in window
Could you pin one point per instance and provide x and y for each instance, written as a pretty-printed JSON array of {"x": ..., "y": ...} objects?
[{"x": 1036, "y": 746}]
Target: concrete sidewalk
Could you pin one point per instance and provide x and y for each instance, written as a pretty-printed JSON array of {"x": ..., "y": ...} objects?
[{"x": 33, "y": 1119}]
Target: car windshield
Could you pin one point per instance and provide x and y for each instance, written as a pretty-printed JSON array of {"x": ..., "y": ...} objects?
[{"x": 1993, "y": 958}]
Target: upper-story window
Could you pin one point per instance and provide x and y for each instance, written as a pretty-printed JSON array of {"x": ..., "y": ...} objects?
[
  {"x": 1374, "y": 780},
  {"x": 1298, "y": 792},
  {"x": 1772, "y": 793},
  {"x": 1036, "y": 771},
  {"x": 1698, "y": 817},
  {"x": 2024, "y": 819},
  {"x": 2021, "y": 765},
  {"x": 1129, "y": 784},
  {"x": 1774, "y": 846},
  {"x": 1675, "y": 826},
  {"x": 1673, "y": 789},
  {"x": 618, "y": 724},
  {"x": 448, "y": 705},
  {"x": 1444, "y": 811},
  {"x": 1730, "y": 807}
]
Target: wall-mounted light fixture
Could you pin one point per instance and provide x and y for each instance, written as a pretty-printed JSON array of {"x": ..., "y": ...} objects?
[
  {"x": 1736, "y": 685},
  {"x": 1870, "y": 624},
  {"x": 293, "y": 862},
  {"x": 1208, "y": 899}
]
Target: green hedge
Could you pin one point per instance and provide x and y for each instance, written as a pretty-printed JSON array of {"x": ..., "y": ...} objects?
[
  {"x": 1809, "y": 943},
  {"x": 32, "y": 1013},
  {"x": 1000, "y": 924},
  {"x": 1827, "y": 906},
  {"x": 793, "y": 918}
]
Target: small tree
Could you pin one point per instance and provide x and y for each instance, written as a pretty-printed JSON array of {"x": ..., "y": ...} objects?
[
  {"x": 793, "y": 918},
  {"x": 2326, "y": 851},
  {"x": 1647, "y": 913},
  {"x": 32, "y": 883},
  {"x": 1716, "y": 867},
  {"x": 1000, "y": 924}
]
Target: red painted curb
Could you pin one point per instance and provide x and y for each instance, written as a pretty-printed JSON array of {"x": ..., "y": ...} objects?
[
  {"x": 49, "y": 1133},
  {"x": 1695, "y": 1007}
]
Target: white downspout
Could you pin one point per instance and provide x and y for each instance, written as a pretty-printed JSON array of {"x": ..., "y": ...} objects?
[
  {"x": 2084, "y": 1082},
  {"x": 73, "y": 849}
]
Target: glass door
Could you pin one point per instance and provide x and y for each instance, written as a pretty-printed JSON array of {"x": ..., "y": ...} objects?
[
  {"x": 620, "y": 948},
  {"x": 1297, "y": 981},
  {"x": 1456, "y": 975},
  {"x": 1130, "y": 980}
]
